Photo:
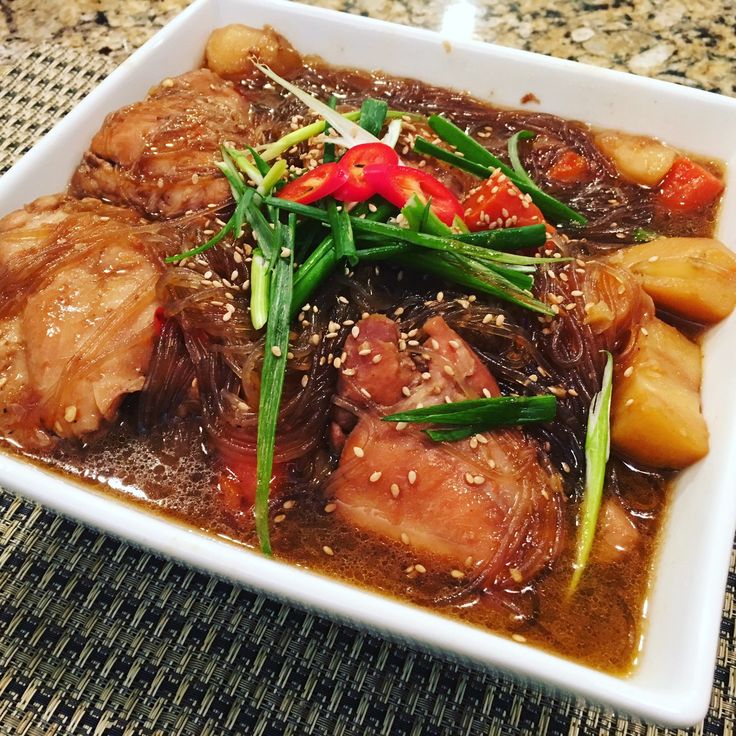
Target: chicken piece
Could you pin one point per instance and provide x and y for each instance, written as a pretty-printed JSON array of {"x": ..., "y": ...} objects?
[
  {"x": 159, "y": 155},
  {"x": 76, "y": 315},
  {"x": 486, "y": 506}
]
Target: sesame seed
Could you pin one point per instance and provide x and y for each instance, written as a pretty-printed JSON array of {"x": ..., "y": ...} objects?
[
  {"x": 518, "y": 637},
  {"x": 328, "y": 550},
  {"x": 469, "y": 479},
  {"x": 457, "y": 574},
  {"x": 565, "y": 467},
  {"x": 343, "y": 300},
  {"x": 469, "y": 561},
  {"x": 449, "y": 370},
  {"x": 440, "y": 296},
  {"x": 420, "y": 568},
  {"x": 289, "y": 504},
  {"x": 653, "y": 259},
  {"x": 376, "y": 359},
  {"x": 355, "y": 331},
  {"x": 412, "y": 477},
  {"x": 279, "y": 518},
  {"x": 330, "y": 508},
  {"x": 404, "y": 537},
  {"x": 70, "y": 414},
  {"x": 479, "y": 480},
  {"x": 435, "y": 345},
  {"x": 305, "y": 380},
  {"x": 487, "y": 318},
  {"x": 365, "y": 393},
  {"x": 226, "y": 317},
  {"x": 395, "y": 490},
  {"x": 426, "y": 376},
  {"x": 315, "y": 339},
  {"x": 364, "y": 351},
  {"x": 406, "y": 391},
  {"x": 629, "y": 371},
  {"x": 337, "y": 363},
  {"x": 359, "y": 452},
  {"x": 453, "y": 344},
  {"x": 628, "y": 402},
  {"x": 486, "y": 393},
  {"x": 500, "y": 320},
  {"x": 3, "y": 381},
  {"x": 516, "y": 575},
  {"x": 473, "y": 443},
  {"x": 482, "y": 439},
  {"x": 276, "y": 351}
]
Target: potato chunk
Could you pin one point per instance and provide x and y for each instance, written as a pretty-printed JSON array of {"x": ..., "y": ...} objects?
[
  {"x": 655, "y": 410},
  {"x": 229, "y": 51},
  {"x": 638, "y": 158},
  {"x": 694, "y": 278}
]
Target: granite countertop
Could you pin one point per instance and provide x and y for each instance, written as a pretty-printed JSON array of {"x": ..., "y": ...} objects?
[{"x": 685, "y": 42}]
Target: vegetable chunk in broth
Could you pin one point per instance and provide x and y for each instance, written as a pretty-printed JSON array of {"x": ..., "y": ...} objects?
[{"x": 363, "y": 324}]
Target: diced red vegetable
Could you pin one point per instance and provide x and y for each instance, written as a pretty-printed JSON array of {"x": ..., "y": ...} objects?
[
  {"x": 688, "y": 187},
  {"x": 315, "y": 184},
  {"x": 499, "y": 203},
  {"x": 397, "y": 184},
  {"x": 356, "y": 188},
  {"x": 570, "y": 167}
]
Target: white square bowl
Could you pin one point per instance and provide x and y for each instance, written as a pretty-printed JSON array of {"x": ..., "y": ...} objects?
[{"x": 672, "y": 681}]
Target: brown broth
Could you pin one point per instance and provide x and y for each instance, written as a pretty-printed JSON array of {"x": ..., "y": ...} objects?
[{"x": 601, "y": 625}]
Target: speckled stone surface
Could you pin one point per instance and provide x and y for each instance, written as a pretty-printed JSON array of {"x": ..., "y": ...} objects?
[{"x": 693, "y": 43}]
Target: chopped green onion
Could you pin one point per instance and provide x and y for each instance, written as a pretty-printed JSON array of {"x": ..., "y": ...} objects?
[
  {"x": 329, "y": 155},
  {"x": 274, "y": 174},
  {"x": 260, "y": 288},
  {"x": 644, "y": 235},
  {"x": 242, "y": 162},
  {"x": 465, "y": 144},
  {"x": 597, "y": 449},
  {"x": 227, "y": 166},
  {"x": 272, "y": 377},
  {"x": 342, "y": 233},
  {"x": 507, "y": 238},
  {"x": 261, "y": 164},
  {"x": 492, "y": 412},
  {"x": 513, "y": 146},
  {"x": 423, "y": 146},
  {"x": 373, "y": 115}
]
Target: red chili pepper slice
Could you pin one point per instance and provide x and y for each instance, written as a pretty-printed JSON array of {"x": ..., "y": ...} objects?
[
  {"x": 315, "y": 184},
  {"x": 688, "y": 187},
  {"x": 398, "y": 183},
  {"x": 569, "y": 167},
  {"x": 356, "y": 188}
]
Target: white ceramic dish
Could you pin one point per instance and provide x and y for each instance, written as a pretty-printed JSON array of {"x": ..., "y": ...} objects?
[{"x": 672, "y": 682}]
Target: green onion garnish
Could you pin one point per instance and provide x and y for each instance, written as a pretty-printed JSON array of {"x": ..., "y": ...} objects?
[
  {"x": 342, "y": 233},
  {"x": 373, "y": 115},
  {"x": 272, "y": 376},
  {"x": 513, "y": 147},
  {"x": 260, "y": 289},
  {"x": 597, "y": 449},
  {"x": 470, "y": 417}
]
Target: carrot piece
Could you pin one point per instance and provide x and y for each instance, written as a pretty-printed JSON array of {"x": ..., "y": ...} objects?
[
  {"x": 568, "y": 168},
  {"x": 688, "y": 187}
]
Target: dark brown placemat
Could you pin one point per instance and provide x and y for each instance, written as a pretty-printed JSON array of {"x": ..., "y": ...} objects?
[{"x": 98, "y": 637}]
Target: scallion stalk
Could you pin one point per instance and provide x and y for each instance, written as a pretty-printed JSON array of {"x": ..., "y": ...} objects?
[
  {"x": 272, "y": 377},
  {"x": 597, "y": 450},
  {"x": 342, "y": 233},
  {"x": 274, "y": 174},
  {"x": 513, "y": 148},
  {"x": 373, "y": 115},
  {"x": 496, "y": 411},
  {"x": 260, "y": 289}
]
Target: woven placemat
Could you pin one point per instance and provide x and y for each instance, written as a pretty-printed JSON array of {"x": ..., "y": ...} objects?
[{"x": 98, "y": 637}]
